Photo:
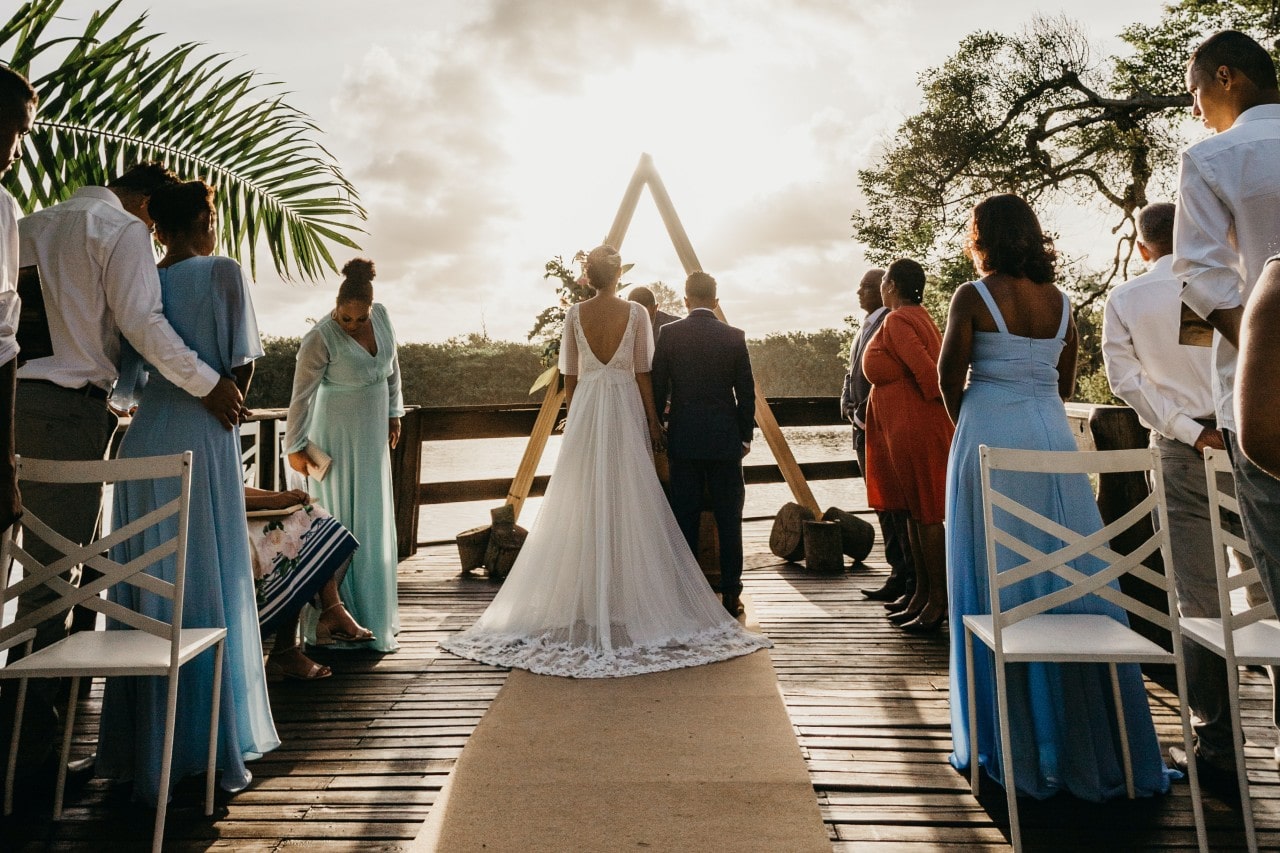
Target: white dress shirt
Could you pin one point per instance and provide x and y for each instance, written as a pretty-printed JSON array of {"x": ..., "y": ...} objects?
[
  {"x": 10, "y": 305},
  {"x": 98, "y": 275},
  {"x": 1168, "y": 384},
  {"x": 1228, "y": 224}
]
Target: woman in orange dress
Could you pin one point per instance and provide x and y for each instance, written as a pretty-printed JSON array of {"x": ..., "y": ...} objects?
[{"x": 909, "y": 437}]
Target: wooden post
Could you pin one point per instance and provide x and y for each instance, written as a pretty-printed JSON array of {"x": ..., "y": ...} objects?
[
  {"x": 269, "y": 454},
  {"x": 406, "y": 468},
  {"x": 551, "y": 403}
]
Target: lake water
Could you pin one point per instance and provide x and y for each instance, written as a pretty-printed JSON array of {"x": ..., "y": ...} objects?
[{"x": 477, "y": 459}]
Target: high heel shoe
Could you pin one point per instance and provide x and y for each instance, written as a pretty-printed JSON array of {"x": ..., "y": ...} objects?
[
  {"x": 903, "y": 617},
  {"x": 898, "y": 605},
  {"x": 891, "y": 591},
  {"x": 325, "y": 635},
  {"x": 924, "y": 626}
]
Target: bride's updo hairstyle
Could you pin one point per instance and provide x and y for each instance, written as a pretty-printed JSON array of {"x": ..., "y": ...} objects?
[
  {"x": 357, "y": 281},
  {"x": 1005, "y": 237},
  {"x": 604, "y": 267}
]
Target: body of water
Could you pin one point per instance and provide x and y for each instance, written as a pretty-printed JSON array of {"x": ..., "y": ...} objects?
[{"x": 478, "y": 459}]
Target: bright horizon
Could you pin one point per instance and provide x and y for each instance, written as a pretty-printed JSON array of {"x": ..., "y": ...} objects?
[{"x": 487, "y": 137}]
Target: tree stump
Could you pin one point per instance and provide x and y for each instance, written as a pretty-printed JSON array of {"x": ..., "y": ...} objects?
[
  {"x": 786, "y": 540},
  {"x": 472, "y": 545},
  {"x": 504, "y": 547},
  {"x": 502, "y": 516},
  {"x": 823, "y": 551},
  {"x": 856, "y": 534}
]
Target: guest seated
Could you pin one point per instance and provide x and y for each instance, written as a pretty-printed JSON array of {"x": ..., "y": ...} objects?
[{"x": 298, "y": 550}]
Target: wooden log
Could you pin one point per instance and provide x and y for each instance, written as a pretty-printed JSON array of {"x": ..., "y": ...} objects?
[
  {"x": 786, "y": 540},
  {"x": 502, "y": 516},
  {"x": 472, "y": 545},
  {"x": 504, "y": 547},
  {"x": 709, "y": 548},
  {"x": 823, "y": 549},
  {"x": 857, "y": 536}
]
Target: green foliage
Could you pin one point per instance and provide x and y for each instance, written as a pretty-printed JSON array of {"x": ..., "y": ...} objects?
[
  {"x": 272, "y": 382},
  {"x": 570, "y": 288},
  {"x": 111, "y": 100},
  {"x": 800, "y": 364}
]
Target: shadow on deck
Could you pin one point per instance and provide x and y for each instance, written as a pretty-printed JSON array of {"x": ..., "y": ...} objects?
[{"x": 366, "y": 751}]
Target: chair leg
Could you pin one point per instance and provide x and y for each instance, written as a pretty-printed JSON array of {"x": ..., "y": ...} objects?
[
  {"x": 65, "y": 755},
  {"x": 1006, "y": 748},
  {"x": 972, "y": 709},
  {"x": 1242, "y": 773},
  {"x": 11, "y": 772},
  {"x": 166, "y": 761},
  {"x": 1125, "y": 755},
  {"x": 1188, "y": 743},
  {"x": 212, "y": 765}
]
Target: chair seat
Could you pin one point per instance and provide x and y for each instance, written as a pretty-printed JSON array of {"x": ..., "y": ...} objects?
[
  {"x": 110, "y": 653},
  {"x": 1256, "y": 644},
  {"x": 1068, "y": 638}
]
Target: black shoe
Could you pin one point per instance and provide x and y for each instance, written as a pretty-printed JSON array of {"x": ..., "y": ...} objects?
[
  {"x": 733, "y": 605},
  {"x": 1219, "y": 780},
  {"x": 891, "y": 590}
]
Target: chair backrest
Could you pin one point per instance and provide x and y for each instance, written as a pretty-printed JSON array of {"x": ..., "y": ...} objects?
[
  {"x": 1224, "y": 513},
  {"x": 1054, "y": 564},
  {"x": 168, "y": 538}
]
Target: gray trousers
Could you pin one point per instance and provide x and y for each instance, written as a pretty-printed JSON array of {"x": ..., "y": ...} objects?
[
  {"x": 893, "y": 527},
  {"x": 54, "y": 423},
  {"x": 1194, "y": 579}
]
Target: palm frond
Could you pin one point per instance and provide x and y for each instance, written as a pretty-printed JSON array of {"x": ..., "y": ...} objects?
[{"x": 110, "y": 99}]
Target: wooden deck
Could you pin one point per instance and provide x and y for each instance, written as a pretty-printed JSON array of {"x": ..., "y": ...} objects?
[{"x": 365, "y": 752}]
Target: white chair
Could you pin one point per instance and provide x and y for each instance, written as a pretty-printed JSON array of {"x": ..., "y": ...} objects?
[
  {"x": 1027, "y": 632},
  {"x": 148, "y": 646},
  {"x": 1248, "y": 638}
]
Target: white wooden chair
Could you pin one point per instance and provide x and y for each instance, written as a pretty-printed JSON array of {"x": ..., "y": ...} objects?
[
  {"x": 1248, "y": 638},
  {"x": 147, "y": 646},
  {"x": 1028, "y": 632}
]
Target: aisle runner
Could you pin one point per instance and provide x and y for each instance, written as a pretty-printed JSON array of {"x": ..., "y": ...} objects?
[{"x": 698, "y": 759}]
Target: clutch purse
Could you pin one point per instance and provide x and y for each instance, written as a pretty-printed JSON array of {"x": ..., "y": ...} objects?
[{"x": 318, "y": 463}]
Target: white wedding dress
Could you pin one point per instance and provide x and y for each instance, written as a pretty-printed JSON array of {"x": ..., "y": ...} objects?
[{"x": 605, "y": 585}]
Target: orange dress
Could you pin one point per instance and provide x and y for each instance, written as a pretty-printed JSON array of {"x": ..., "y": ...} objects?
[{"x": 908, "y": 431}]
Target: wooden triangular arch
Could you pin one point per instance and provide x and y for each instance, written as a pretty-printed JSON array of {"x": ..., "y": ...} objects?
[{"x": 647, "y": 175}]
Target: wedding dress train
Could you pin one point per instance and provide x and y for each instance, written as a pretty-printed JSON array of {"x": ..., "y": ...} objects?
[{"x": 605, "y": 585}]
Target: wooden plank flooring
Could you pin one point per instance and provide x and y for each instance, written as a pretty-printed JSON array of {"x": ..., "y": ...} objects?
[{"x": 365, "y": 752}]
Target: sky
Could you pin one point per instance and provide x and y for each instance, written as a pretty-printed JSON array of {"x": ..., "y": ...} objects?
[{"x": 486, "y": 136}]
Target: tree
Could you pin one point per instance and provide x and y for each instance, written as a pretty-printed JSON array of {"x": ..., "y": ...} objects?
[
  {"x": 1037, "y": 114},
  {"x": 111, "y": 100}
]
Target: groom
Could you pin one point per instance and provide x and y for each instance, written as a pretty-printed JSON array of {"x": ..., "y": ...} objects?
[{"x": 700, "y": 366}]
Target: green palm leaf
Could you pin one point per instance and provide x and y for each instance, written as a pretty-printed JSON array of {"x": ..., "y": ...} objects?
[{"x": 112, "y": 100}]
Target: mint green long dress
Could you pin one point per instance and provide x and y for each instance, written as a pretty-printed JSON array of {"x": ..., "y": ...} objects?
[{"x": 342, "y": 400}]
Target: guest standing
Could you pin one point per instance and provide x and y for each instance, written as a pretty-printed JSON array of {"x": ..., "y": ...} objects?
[
  {"x": 346, "y": 402},
  {"x": 206, "y": 299},
  {"x": 1013, "y": 335},
  {"x": 908, "y": 435}
]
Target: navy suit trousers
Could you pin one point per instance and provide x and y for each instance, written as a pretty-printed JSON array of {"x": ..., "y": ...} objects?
[{"x": 721, "y": 481}]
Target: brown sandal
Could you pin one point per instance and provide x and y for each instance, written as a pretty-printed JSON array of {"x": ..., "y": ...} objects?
[
  {"x": 277, "y": 672},
  {"x": 325, "y": 636}
]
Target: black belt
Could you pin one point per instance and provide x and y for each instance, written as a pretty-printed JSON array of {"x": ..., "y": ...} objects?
[
  {"x": 1211, "y": 423},
  {"x": 90, "y": 390}
]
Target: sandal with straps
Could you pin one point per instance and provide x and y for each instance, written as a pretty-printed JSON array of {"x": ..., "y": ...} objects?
[
  {"x": 277, "y": 672},
  {"x": 325, "y": 636}
]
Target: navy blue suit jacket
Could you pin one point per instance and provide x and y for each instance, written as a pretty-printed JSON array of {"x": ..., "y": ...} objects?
[{"x": 701, "y": 366}]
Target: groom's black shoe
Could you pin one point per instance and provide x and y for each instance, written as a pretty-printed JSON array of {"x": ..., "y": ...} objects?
[
  {"x": 733, "y": 605},
  {"x": 893, "y": 588}
]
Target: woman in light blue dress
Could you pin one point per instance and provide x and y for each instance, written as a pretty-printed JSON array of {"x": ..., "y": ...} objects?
[
  {"x": 206, "y": 300},
  {"x": 346, "y": 402},
  {"x": 1013, "y": 329}
]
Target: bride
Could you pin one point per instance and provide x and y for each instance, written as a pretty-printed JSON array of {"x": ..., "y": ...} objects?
[{"x": 605, "y": 585}]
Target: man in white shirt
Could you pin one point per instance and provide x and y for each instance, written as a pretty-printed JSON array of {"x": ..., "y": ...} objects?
[
  {"x": 1228, "y": 224},
  {"x": 17, "y": 112},
  {"x": 97, "y": 272},
  {"x": 1169, "y": 385}
]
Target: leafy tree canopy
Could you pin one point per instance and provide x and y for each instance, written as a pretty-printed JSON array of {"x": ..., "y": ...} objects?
[{"x": 110, "y": 98}]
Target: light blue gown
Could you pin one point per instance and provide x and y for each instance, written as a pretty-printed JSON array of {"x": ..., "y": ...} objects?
[
  {"x": 1063, "y": 726},
  {"x": 207, "y": 302},
  {"x": 342, "y": 400}
]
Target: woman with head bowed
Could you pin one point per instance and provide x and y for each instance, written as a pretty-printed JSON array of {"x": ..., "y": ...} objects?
[
  {"x": 206, "y": 300},
  {"x": 1011, "y": 333},
  {"x": 346, "y": 404}
]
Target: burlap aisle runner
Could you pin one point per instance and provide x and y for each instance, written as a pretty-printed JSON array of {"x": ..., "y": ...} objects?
[{"x": 698, "y": 759}]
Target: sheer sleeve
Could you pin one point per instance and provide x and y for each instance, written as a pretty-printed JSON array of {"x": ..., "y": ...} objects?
[
  {"x": 313, "y": 361},
  {"x": 569, "y": 344},
  {"x": 642, "y": 357},
  {"x": 237, "y": 325}
]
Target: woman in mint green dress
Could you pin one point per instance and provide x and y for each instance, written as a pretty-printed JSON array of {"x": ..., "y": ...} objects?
[{"x": 346, "y": 402}]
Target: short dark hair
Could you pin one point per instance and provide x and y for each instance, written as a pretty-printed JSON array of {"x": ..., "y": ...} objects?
[
  {"x": 174, "y": 208},
  {"x": 699, "y": 285},
  {"x": 908, "y": 276},
  {"x": 1006, "y": 236},
  {"x": 144, "y": 178},
  {"x": 357, "y": 281},
  {"x": 1234, "y": 49},
  {"x": 1155, "y": 225},
  {"x": 15, "y": 92},
  {"x": 643, "y": 296}
]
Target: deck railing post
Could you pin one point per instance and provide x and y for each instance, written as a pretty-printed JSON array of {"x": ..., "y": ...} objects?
[{"x": 406, "y": 468}]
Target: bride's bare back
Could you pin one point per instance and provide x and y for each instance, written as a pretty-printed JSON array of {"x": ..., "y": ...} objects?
[{"x": 604, "y": 319}]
